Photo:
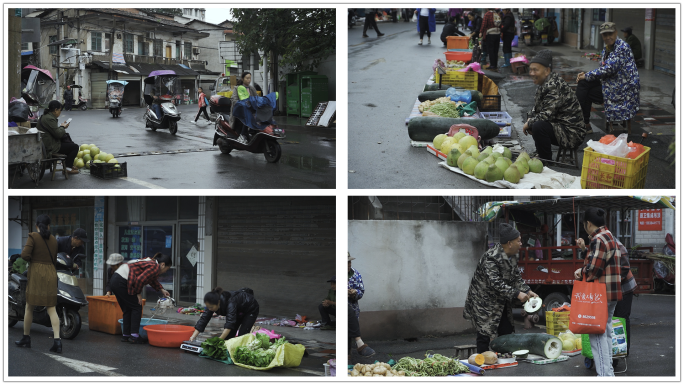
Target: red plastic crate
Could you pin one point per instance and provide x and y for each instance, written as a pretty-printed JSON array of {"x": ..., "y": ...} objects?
[
  {"x": 459, "y": 56},
  {"x": 457, "y": 42}
]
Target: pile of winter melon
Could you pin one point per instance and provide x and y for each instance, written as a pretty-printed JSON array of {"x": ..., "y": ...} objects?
[{"x": 462, "y": 151}]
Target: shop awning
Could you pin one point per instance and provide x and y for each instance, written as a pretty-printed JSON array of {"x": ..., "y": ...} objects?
[
  {"x": 493, "y": 210},
  {"x": 120, "y": 68}
]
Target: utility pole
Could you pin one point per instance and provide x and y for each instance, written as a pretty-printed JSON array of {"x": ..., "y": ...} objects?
[
  {"x": 111, "y": 50},
  {"x": 14, "y": 46}
]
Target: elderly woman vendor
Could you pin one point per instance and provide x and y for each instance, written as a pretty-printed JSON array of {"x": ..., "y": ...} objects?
[{"x": 615, "y": 84}]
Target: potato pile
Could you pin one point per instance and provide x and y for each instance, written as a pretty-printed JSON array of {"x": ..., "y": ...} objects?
[{"x": 373, "y": 370}]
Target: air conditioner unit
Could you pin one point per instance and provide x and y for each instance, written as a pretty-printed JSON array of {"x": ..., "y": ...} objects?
[
  {"x": 149, "y": 35},
  {"x": 195, "y": 51}
]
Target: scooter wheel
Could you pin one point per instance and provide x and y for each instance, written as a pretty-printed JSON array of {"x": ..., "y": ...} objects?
[
  {"x": 84, "y": 107},
  {"x": 588, "y": 363},
  {"x": 173, "y": 127},
  {"x": 224, "y": 146},
  {"x": 71, "y": 331},
  {"x": 273, "y": 151}
]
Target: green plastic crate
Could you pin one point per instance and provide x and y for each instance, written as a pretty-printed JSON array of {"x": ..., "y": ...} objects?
[{"x": 314, "y": 91}]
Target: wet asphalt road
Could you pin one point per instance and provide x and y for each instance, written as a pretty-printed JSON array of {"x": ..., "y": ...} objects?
[
  {"x": 652, "y": 351},
  {"x": 385, "y": 76},
  {"x": 308, "y": 159},
  {"x": 111, "y": 357}
]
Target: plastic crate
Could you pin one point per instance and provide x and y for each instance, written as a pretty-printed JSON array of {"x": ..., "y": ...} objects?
[
  {"x": 557, "y": 322},
  {"x": 107, "y": 171},
  {"x": 601, "y": 171},
  {"x": 500, "y": 118},
  {"x": 466, "y": 80},
  {"x": 491, "y": 103},
  {"x": 465, "y": 56},
  {"x": 104, "y": 314},
  {"x": 457, "y": 42}
]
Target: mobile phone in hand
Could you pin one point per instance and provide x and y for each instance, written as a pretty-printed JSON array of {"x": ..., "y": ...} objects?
[{"x": 68, "y": 121}]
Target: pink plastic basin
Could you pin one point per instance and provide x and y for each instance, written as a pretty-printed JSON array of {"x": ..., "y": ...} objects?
[{"x": 168, "y": 335}]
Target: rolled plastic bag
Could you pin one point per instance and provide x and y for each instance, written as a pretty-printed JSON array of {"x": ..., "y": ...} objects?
[{"x": 616, "y": 148}]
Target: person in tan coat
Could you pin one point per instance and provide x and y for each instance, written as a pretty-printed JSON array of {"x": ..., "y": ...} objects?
[{"x": 41, "y": 252}]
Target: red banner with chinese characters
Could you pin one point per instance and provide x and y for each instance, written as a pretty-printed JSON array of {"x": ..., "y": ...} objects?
[{"x": 651, "y": 220}]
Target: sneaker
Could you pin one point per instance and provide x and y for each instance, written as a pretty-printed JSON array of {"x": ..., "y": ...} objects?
[
  {"x": 381, "y": 34},
  {"x": 125, "y": 338},
  {"x": 327, "y": 327},
  {"x": 429, "y": 42},
  {"x": 242, "y": 140},
  {"x": 365, "y": 35},
  {"x": 421, "y": 42},
  {"x": 365, "y": 351},
  {"x": 194, "y": 122}
]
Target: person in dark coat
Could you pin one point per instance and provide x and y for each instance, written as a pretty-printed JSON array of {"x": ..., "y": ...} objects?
[
  {"x": 508, "y": 30},
  {"x": 54, "y": 133},
  {"x": 73, "y": 245},
  {"x": 426, "y": 22},
  {"x": 450, "y": 29},
  {"x": 370, "y": 22},
  {"x": 41, "y": 252},
  {"x": 327, "y": 308},
  {"x": 68, "y": 98},
  {"x": 239, "y": 307}
]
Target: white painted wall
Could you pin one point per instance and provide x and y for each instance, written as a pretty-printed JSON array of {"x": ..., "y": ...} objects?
[
  {"x": 656, "y": 239},
  {"x": 408, "y": 265}
]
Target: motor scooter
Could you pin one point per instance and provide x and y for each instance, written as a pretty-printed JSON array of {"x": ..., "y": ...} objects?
[
  {"x": 82, "y": 103},
  {"x": 115, "y": 91},
  {"x": 70, "y": 299},
  {"x": 529, "y": 34},
  {"x": 263, "y": 140},
  {"x": 161, "y": 87}
]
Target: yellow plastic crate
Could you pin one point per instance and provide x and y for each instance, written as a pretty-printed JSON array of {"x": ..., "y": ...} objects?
[
  {"x": 466, "y": 80},
  {"x": 601, "y": 171},
  {"x": 557, "y": 322}
]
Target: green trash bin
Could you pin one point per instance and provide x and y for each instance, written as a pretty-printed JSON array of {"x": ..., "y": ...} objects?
[
  {"x": 314, "y": 91},
  {"x": 294, "y": 91}
]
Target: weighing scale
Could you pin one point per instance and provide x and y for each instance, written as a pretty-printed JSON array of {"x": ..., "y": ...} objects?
[{"x": 192, "y": 346}]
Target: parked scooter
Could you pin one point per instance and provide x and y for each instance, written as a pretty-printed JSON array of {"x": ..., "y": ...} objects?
[
  {"x": 70, "y": 299},
  {"x": 351, "y": 17},
  {"x": 82, "y": 103},
  {"x": 261, "y": 140},
  {"x": 529, "y": 34},
  {"x": 161, "y": 88},
  {"x": 115, "y": 91}
]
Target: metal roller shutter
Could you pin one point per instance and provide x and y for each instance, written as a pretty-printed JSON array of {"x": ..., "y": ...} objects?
[
  {"x": 626, "y": 17},
  {"x": 664, "y": 57},
  {"x": 283, "y": 248},
  {"x": 98, "y": 88}
]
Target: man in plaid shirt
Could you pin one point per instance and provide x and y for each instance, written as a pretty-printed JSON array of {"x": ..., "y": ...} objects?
[
  {"x": 490, "y": 34},
  {"x": 602, "y": 264}
]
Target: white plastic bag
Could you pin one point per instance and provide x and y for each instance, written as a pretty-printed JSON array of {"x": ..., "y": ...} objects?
[{"x": 617, "y": 148}]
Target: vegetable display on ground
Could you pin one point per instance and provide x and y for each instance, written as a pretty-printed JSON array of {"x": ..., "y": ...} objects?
[
  {"x": 537, "y": 343},
  {"x": 432, "y": 365},
  {"x": 259, "y": 352},
  {"x": 215, "y": 348},
  {"x": 377, "y": 369},
  {"x": 426, "y": 128}
]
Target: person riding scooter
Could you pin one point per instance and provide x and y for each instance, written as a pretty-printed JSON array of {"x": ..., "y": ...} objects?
[{"x": 242, "y": 91}]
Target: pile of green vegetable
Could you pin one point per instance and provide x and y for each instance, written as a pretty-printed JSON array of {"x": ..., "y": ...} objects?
[
  {"x": 432, "y": 365},
  {"x": 215, "y": 348},
  {"x": 259, "y": 352},
  {"x": 445, "y": 110}
]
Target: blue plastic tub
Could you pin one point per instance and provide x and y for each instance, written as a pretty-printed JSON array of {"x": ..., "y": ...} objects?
[{"x": 143, "y": 322}]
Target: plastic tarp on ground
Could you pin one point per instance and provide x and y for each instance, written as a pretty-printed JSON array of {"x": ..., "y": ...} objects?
[
  {"x": 548, "y": 179},
  {"x": 493, "y": 209},
  {"x": 287, "y": 355}
]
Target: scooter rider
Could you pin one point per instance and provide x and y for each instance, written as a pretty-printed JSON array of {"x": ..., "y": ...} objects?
[
  {"x": 247, "y": 91},
  {"x": 156, "y": 105},
  {"x": 73, "y": 245}
]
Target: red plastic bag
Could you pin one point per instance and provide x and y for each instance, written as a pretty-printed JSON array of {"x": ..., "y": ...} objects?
[
  {"x": 607, "y": 139},
  {"x": 635, "y": 149},
  {"x": 589, "y": 305}
]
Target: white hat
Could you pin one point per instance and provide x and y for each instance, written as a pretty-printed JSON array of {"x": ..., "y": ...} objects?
[{"x": 114, "y": 259}]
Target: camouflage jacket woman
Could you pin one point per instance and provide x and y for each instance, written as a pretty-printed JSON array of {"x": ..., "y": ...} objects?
[
  {"x": 496, "y": 281},
  {"x": 557, "y": 104}
]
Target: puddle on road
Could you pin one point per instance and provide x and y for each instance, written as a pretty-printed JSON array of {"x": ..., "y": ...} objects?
[{"x": 309, "y": 163}]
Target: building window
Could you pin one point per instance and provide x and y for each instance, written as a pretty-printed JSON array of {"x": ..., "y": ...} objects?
[
  {"x": 599, "y": 14},
  {"x": 188, "y": 51},
  {"x": 178, "y": 44},
  {"x": 96, "y": 41},
  {"x": 17, "y": 12},
  {"x": 196, "y": 12},
  {"x": 158, "y": 47},
  {"x": 54, "y": 49},
  {"x": 202, "y": 14},
  {"x": 24, "y": 46},
  {"x": 143, "y": 48},
  {"x": 573, "y": 20},
  {"x": 128, "y": 43},
  {"x": 107, "y": 37}
]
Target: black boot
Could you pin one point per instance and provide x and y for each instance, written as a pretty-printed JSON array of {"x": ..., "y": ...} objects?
[
  {"x": 57, "y": 346},
  {"x": 24, "y": 342}
]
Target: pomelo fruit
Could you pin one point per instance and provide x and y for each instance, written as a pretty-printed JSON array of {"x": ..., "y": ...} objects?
[
  {"x": 524, "y": 155},
  {"x": 493, "y": 173},
  {"x": 80, "y": 154},
  {"x": 522, "y": 166},
  {"x": 83, "y": 147},
  {"x": 507, "y": 153},
  {"x": 502, "y": 164},
  {"x": 87, "y": 157},
  {"x": 490, "y": 159},
  {"x": 482, "y": 156},
  {"x": 512, "y": 175},
  {"x": 469, "y": 165},
  {"x": 109, "y": 157},
  {"x": 459, "y": 135},
  {"x": 446, "y": 144},
  {"x": 496, "y": 155},
  {"x": 536, "y": 165},
  {"x": 462, "y": 158},
  {"x": 481, "y": 170},
  {"x": 452, "y": 157},
  {"x": 437, "y": 141},
  {"x": 488, "y": 150},
  {"x": 467, "y": 141},
  {"x": 94, "y": 151},
  {"x": 568, "y": 345}
]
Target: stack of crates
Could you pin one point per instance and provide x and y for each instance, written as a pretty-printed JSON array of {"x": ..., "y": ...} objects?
[
  {"x": 557, "y": 322},
  {"x": 314, "y": 91},
  {"x": 294, "y": 91}
]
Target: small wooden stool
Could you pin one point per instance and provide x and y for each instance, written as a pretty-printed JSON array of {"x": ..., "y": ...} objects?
[
  {"x": 464, "y": 351},
  {"x": 568, "y": 156},
  {"x": 624, "y": 123},
  {"x": 56, "y": 159}
]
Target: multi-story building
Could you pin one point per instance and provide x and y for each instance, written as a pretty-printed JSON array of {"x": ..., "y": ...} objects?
[{"x": 88, "y": 46}]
